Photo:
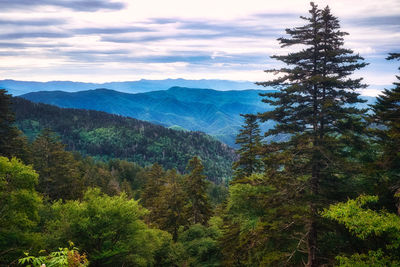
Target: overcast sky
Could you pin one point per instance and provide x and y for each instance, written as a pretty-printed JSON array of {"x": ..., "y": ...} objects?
[{"x": 121, "y": 40}]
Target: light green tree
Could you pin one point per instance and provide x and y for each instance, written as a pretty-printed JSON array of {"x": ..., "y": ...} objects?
[
  {"x": 364, "y": 222},
  {"x": 19, "y": 206},
  {"x": 109, "y": 229}
]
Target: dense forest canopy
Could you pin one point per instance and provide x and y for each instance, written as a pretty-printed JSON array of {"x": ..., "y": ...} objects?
[{"x": 327, "y": 194}]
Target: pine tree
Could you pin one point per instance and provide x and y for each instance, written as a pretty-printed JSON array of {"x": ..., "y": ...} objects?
[
  {"x": 249, "y": 140},
  {"x": 196, "y": 188},
  {"x": 387, "y": 114},
  {"x": 11, "y": 143},
  {"x": 386, "y": 130},
  {"x": 170, "y": 210},
  {"x": 315, "y": 106},
  {"x": 155, "y": 178},
  {"x": 59, "y": 176}
]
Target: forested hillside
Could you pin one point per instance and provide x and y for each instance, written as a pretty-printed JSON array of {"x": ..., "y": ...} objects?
[
  {"x": 214, "y": 112},
  {"x": 106, "y": 136}
]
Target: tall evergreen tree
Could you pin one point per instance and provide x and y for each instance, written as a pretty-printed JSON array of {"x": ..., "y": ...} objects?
[
  {"x": 315, "y": 106},
  {"x": 155, "y": 177},
  {"x": 386, "y": 130},
  {"x": 58, "y": 170},
  {"x": 170, "y": 210},
  {"x": 387, "y": 114},
  {"x": 11, "y": 142},
  {"x": 7, "y": 131},
  {"x": 196, "y": 188},
  {"x": 249, "y": 140}
]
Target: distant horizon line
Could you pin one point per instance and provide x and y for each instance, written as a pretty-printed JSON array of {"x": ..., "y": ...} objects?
[{"x": 116, "y": 81}]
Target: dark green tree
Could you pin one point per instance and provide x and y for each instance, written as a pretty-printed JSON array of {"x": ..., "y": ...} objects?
[
  {"x": 94, "y": 174},
  {"x": 249, "y": 140},
  {"x": 386, "y": 131},
  {"x": 196, "y": 188},
  {"x": 59, "y": 175},
  {"x": 170, "y": 211},
  {"x": 7, "y": 130},
  {"x": 12, "y": 143},
  {"x": 315, "y": 106},
  {"x": 155, "y": 178}
]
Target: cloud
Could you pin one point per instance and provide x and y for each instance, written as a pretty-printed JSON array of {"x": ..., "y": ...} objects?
[
  {"x": 393, "y": 22},
  {"x": 77, "y": 5},
  {"x": 23, "y": 45},
  {"x": 112, "y": 30},
  {"x": 184, "y": 29},
  {"x": 29, "y": 35},
  {"x": 32, "y": 22},
  {"x": 177, "y": 38},
  {"x": 195, "y": 57},
  {"x": 163, "y": 20},
  {"x": 231, "y": 28}
]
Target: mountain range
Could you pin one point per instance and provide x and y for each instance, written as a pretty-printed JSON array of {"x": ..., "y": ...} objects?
[
  {"x": 216, "y": 113},
  {"x": 17, "y": 88}
]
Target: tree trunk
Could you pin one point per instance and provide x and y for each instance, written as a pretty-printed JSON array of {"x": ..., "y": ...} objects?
[
  {"x": 312, "y": 243},
  {"x": 312, "y": 227}
]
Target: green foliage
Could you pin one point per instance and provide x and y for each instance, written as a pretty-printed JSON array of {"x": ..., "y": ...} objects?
[
  {"x": 372, "y": 259},
  {"x": 171, "y": 211},
  {"x": 201, "y": 245},
  {"x": 19, "y": 204},
  {"x": 155, "y": 178},
  {"x": 11, "y": 143},
  {"x": 364, "y": 222},
  {"x": 196, "y": 189},
  {"x": 64, "y": 257},
  {"x": 385, "y": 130},
  {"x": 108, "y": 229},
  {"x": 57, "y": 168},
  {"x": 217, "y": 193},
  {"x": 262, "y": 226},
  {"x": 249, "y": 140}
]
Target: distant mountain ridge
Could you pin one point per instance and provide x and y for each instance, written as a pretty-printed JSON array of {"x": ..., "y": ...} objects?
[
  {"x": 17, "y": 88},
  {"x": 214, "y": 112}
]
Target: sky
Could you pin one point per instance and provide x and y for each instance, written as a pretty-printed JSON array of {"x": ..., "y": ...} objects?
[{"x": 126, "y": 40}]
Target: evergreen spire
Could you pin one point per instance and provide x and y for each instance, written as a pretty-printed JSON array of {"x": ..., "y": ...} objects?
[
  {"x": 196, "y": 187},
  {"x": 249, "y": 140},
  {"x": 314, "y": 104},
  {"x": 8, "y": 132}
]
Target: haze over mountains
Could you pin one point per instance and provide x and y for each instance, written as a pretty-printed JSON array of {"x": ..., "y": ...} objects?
[
  {"x": 176, "y": 103},
  {"x": 214, "y": 112},
  {"x": 17, "y": 88}
]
